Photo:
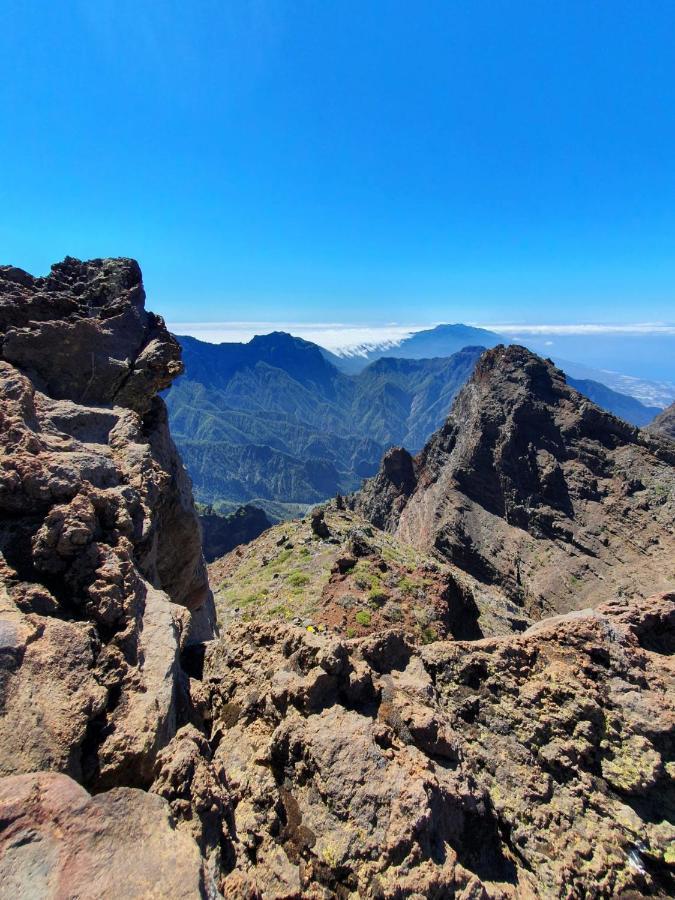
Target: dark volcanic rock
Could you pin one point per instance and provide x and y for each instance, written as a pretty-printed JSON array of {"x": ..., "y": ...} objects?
[
  {"x": 221, "y": 534},
  {"x": 526, "y": 766},
  {"x": 531, "y": 487},
  {"x": 83, "y": 334}
]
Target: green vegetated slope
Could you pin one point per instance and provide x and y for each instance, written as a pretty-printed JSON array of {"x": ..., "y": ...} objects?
[
  {"x": 353, "y": 579},
  {"x": 273, "y": 421}
]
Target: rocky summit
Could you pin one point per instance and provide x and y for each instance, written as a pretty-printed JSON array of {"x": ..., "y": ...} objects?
[
  {"x": 457, "y": 683},
  {"x": 531, "y": 486}
]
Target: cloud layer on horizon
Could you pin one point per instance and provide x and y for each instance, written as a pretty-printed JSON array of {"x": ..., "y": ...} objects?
[{"x": 341, "y": 336}]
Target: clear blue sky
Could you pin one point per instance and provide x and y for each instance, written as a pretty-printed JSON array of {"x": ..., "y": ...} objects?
[{"x": 308, "y": 160}]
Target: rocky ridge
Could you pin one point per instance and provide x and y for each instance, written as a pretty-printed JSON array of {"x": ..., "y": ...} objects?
[
  {"x": 536, "y": 765},
  {"x": 144, "y": 756},
  {"x": 101, "y": 573},
  {"x": 532, "y": 487}
]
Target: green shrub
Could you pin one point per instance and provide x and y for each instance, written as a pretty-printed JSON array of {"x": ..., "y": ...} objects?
[
  {"x": 408, "y": 585},
  {"x": 297, "y": 579},
  {"x": 280, "y": 610},
  {"x": 363, "y": 617},
  {"x": 377, "y": 597},
  {"x": 429, "y": 634},
  {"x": 280, "y": 559}
]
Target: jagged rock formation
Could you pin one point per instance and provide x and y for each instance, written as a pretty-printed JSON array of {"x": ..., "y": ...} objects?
[
  {"x": 101, "y": 572},
  {"x": 536, "y": 765},
  {"x": 532, "y": 487},
  {"x": 281, "y": 762},
  {"x": 664, "y": 423}
]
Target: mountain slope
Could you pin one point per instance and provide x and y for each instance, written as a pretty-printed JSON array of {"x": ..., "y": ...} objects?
[
  {"x": 443, "y": 340},
  {"x": 273, "y": 420},
  {"x": 622, "y": 405},
  {"x": 220, "y": 534},
  {"x": 664, "y": 423},
  {"x": 530, "y": 486}
]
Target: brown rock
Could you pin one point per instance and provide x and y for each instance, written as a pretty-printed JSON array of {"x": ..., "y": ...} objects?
[
  {"x": 99, "y": 541},
  {"x": 522, "y": 766},
  {"x": 664, "y": 424},
  {"x": 533, "y": 489},
  {"x": 57, "y": 842}
]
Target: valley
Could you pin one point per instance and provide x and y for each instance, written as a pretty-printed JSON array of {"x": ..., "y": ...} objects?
[{"x": 281, "y": 424}]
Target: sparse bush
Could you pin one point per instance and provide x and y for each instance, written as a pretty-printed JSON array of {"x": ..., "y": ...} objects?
[
  {"x": 377, "y": 597},
  {"x": 408, "y": 585},
  {"x": 393, "y": 612},
  {"x": 297, "y": 579},
  {"x": 428, "y": 634},
  {"x": 423, "y": 616}
]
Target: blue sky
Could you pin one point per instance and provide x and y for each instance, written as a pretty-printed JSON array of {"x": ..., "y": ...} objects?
[{"x": 354, "y": 162}]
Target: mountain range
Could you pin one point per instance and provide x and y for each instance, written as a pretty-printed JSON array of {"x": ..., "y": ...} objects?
[
  {"x": 274, "y": 421},
  {"x": 443, "y": 340},
  {"x": 457, "y": 682},
  {"x": 505, "y": 604},
  {"x": 279, "y": 423}
]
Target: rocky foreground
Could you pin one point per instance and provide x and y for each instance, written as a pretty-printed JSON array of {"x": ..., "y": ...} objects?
[{"x": 309, "y": 751}]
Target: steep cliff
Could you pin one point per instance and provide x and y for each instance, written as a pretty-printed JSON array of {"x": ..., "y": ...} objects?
[
  {"x": 531, "y": 487},
  {"x": 102, "y": 574}
]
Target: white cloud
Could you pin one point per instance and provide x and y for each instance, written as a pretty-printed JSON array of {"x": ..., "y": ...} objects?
[
  {"x": 332, "y": 335},
  {"x": 636, "y": 328},
  {"x": 350, "y": 339}
]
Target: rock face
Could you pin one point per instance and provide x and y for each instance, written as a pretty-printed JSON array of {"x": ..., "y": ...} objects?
[
  {"x": 535, "y": 765},
  {"x": 664, "y": 423},
  {"x": 101, "y": 572},
  {"x": 223, "y": 533},
  {"x": 58, "y": 842},
  {"x": 532, "y": 487}
]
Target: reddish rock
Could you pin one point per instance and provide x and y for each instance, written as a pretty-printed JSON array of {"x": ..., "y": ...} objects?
[{"x": 57, "y": 842}]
